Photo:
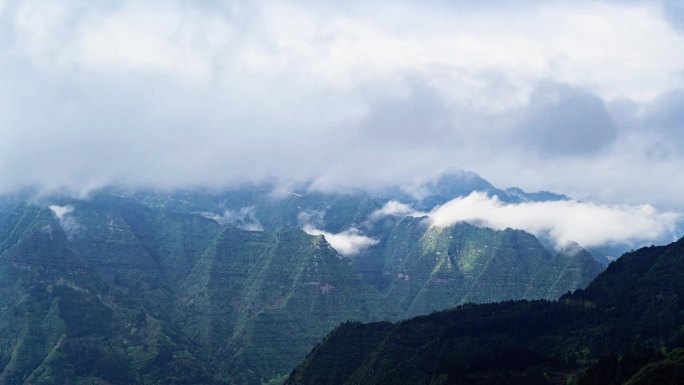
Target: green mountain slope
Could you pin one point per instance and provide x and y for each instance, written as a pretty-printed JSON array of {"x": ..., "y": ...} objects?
[
  {"x": 150, "y": 289},
  {"x": 383, "y": 265},
  {"x": 129, "y": 294},
  {"x": 263, "y": 299},
  {"x": 435, "y": 268},
  {"x": 571, "y": 268},
  {"x": 63, "y": 321},
  {"x": 637, "y": 302}
]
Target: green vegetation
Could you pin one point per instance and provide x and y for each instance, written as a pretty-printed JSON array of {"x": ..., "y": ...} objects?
[
  {"x": 625, "y": 328},
  {"x": 145, "y": 289},
  {"x": 432, "y": 269},
  {"x": 133, "y": 294}
]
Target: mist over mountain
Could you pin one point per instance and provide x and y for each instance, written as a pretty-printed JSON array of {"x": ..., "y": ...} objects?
[
  {"x": 198, "y": 192},
  {"x": 578, "y": 98},
  {"x": 236, "y": 286},
  {"x": 352, "y": 218}
]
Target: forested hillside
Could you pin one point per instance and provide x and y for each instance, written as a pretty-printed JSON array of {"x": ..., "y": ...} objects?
[
  {"x": 156, "y": 288},
  {"x": 627, "y": 327}
]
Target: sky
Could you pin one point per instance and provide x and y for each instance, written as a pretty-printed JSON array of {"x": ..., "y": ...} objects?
[{"x": 584, "y": 98}]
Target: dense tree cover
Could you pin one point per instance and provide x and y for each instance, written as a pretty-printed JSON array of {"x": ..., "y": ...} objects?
[
  {"x": 434, "y": 268},
  {"x": 133, "y": 294},
  {"x": 149, "y": 289},
  {"x": 625, "y": 328}
]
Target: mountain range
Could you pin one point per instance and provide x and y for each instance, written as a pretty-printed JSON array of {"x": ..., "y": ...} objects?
[
  {"x": 226, "y": 288},
  {"x": 626, "y": 327}
]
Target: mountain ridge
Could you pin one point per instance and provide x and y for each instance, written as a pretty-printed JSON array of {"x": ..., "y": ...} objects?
[
  {"x": 152, "y": 289},
  {"x": 634, "y": 307}
]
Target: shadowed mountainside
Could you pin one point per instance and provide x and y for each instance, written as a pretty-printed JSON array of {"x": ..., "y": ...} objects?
[{"x": 627, "y": 327}]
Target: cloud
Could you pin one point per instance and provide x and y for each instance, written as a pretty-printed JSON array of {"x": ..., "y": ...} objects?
[
  {"x": 362, "y": 94},
  {"x": 418, "y": 118},
  {"x": 665, "y": 116},
  {"x": 61, "y": 211},
  {"x": 68, "y": 223},
  {"x": 674, "y": 11},
  {"x": 561, "y": 120},
  {"x": 243, "y": 218},
  {"x": 564, "y": 222},
  {"x": 348, "y": 243},
  {"x": 395, "y": 208},
  {"x": 314, "y": 218}
]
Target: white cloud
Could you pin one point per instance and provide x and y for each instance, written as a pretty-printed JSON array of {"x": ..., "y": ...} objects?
[
  {"x": 395, "y": 208},
  {"x": 617, "y": 51},
  {"x": 349, "y": 242},
  {"x": 154, "y": 38},
  {"x": 359, "y": 94},
  {"x": 61, "y": 211},
  {"x": 566, "y": 221},
  {"x": 244, "y": 218},
  {"x": 68, "y": 223},
  {"x": 314, "y": 218}
]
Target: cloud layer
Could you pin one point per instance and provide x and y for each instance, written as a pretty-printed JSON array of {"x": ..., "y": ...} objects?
[
  {"x": 577, "y": 97},
  {"x": 348, "y": 243},
  {"x": 244, "y": 218},
  {"x": 564, "y": 222},
  {"x": 67, "y": 221}
]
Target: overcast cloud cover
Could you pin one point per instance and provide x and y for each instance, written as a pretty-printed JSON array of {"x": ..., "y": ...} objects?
[{"x": 582, "y": 98}]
